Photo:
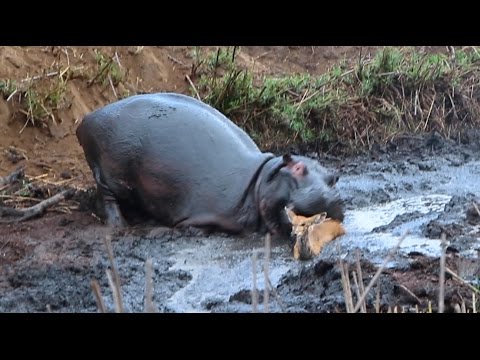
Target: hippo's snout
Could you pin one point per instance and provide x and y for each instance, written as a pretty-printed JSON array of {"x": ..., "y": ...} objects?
[{"x": 311, "y": 202}]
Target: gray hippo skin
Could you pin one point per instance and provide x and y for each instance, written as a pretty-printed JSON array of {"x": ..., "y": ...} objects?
[{"x": 185, "y": 164}]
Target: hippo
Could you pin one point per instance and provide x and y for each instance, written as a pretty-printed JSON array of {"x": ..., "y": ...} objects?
[{"x": 184, "y": 163}]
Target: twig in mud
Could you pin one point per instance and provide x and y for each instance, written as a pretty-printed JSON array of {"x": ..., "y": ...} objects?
[
  {"x": 113, "y": 87},
  {"x": 379, "y": 271},
  {"x": 476, "y": 208},
  {"x": 18, "y": 198},
  {"x": 116, "y": 277},
  {"x": 12, "y": 177},
  {"x": 41, "y": 164},
  {"x": 453, "y": 106},
  {"x": 98, "y": 296},
  {"x": 53, "y": 73},
  {"x": 115, "y": 292},
  {"x": 360, "y": 278},
  {"x": 474, "y": 303},
  {"x": 59, "y": 183},
  {"x": 34, "y": 210},
  {"x": 27, "y": 121},
  {"x": 12, "y": 94},
  {"x": 175, "y": 60},
  {"x": 117, "y": 59},
  {"x": 193, "y": 86},
  {"x": 456, "y": 277},
  {"x": 149, "y": 306},
  {"x": 460, "y": 308},
  {"x": 95, "y": 217},
  {"x": 62, "y": 209},
  {"x": 33, "y": 178},
  {"x": 268, "y": 286},
  {"x": 261, "y": 55},
  {"x": 266, "y": 261},
  {"x": 377, "y": 300},
  {"x": 99, "y": 73},
  {"x": 409, "y": 292},
  {"x": 441, "y": 291},
  {"x": 304, "y": 99},
  {"x": 138, "y": 50},
  {"x": 357, "y": 291},
  {"x": 277, "y": 297},
  {"x": 254, "y": 282},
  {"x": 4, "y": 245},
  {"x": 346, "y": 287},
  {"x": 349, "y": 286},
  {"x": 428, "y": 115}
]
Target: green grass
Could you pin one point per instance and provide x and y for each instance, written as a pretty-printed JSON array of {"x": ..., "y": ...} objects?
[
  {"x": 352, "y": 105},
  {"x": 39, "y": 102},
  {"x": 40, "y": 97},
  {"x": 107, "y": 69}
]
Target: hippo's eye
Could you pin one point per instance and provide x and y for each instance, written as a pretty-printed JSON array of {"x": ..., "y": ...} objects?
[{"x": 332, "y": 179}]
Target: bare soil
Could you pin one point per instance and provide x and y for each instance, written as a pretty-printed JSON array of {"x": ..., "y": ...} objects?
[{"x": 49, "y": 262}]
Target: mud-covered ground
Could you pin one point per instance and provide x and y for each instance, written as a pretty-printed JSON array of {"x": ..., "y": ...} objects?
[{"x": 423, "y": 185}]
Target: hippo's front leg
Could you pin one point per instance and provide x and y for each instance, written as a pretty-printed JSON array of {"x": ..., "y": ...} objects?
[
  {"x": 272, "y": 212},
  {"x": 212, "y": 221},
  {"x": 113, "y": 215}
]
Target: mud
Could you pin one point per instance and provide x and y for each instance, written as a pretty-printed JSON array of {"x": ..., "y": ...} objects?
[{"x": 405, "y": 186}]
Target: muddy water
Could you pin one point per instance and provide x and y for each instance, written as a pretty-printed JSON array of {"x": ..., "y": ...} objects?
[{"x": 414, "y": 187}]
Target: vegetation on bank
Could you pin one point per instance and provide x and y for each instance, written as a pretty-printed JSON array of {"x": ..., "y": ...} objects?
[
  {"x": 356, "y": 104},
  {"x": 39, "y": 97},
  {"x": 351, "y": 106}
]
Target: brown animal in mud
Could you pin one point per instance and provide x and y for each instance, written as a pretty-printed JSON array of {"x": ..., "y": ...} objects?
[{"x": 312, "y": 233}]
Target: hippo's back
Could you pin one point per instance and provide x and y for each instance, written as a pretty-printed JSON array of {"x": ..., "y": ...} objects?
[
  {"x": 153, "y": 141},
  {"x": 152, "y": 115}
]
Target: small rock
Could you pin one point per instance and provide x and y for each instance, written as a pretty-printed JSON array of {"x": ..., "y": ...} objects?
[
  {"x": 66, "y": 174},
  {"x": 473, "y": 217}
]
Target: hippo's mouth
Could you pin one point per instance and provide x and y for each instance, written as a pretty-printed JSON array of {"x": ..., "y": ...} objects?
[{"x": 334, "y": 209}]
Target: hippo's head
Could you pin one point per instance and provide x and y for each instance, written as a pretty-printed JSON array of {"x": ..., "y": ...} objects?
[{"x": 299, "y": 183}]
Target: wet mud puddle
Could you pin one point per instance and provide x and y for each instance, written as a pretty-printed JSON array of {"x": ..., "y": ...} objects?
[
  {"x": 369, "y": 228},
  {"x": 222, "y": 268}
]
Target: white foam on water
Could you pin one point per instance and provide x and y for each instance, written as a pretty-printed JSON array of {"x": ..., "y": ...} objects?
[
  {"x": 361, "y": 222},
  {"x": 366, "y": 219}
]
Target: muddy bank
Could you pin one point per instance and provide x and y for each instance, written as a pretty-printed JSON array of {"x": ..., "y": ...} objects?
[{"x": 425, "y": 185}]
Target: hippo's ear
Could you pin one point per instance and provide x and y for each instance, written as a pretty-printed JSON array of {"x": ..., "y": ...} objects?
[
  {"x": 286, "y": 160},
  {"x": 296, "y": 168}
]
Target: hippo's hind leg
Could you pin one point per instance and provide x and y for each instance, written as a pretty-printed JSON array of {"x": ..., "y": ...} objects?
[{"x": 113, "y": 215}]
